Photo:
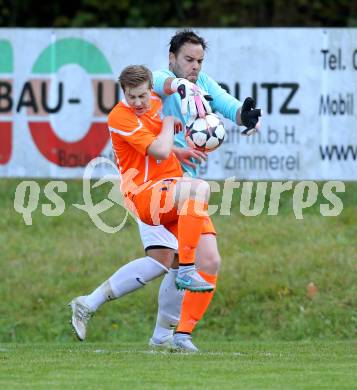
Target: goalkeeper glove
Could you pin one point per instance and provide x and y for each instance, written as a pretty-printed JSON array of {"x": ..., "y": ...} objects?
[
  {"x": 249, "y": 116},
  {"x": 192, "y": 97}
]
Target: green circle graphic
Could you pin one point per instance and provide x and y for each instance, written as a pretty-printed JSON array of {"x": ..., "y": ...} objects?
[
  {"x": 6, "y": 57},
  {"x": 71, "y": 51}
]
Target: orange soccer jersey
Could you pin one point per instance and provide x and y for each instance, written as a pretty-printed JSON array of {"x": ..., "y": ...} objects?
[{"x": 131, "y": 136}]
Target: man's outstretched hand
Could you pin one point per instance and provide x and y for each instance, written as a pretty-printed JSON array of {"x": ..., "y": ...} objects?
[{"x": 185, "y": 156}]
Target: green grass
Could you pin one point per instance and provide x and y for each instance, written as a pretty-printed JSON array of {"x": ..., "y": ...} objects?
[
  {"x": 223, "y": 365},
  {"x": 268, "y": 262}
]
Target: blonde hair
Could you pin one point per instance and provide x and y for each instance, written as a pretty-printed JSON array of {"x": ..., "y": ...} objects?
[{"x": 134, "y": 75}]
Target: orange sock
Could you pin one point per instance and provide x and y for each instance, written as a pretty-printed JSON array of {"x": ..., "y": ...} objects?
[
  {"x": 194, "y": 305},
  {"x": 190, "y": 224}
]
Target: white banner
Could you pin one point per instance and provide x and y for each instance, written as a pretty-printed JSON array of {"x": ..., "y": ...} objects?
[{"x": 58, "y": 85}]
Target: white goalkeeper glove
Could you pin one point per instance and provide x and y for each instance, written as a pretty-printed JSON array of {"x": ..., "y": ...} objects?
[{"x": 192, "y": 97}]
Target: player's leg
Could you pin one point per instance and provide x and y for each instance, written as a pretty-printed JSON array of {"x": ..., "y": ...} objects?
[
  {"x": 208, "y": 259},
  {"x": 181, "y": 206},
  {"x": 169, "y": 307},
  {"x": 126, "y": 279},
  {"x": 191, "y": 200},
  {"x": 161, "y": 244},
  {"x": 194, "y": 306},
  {"x": 169, "y": 297}
]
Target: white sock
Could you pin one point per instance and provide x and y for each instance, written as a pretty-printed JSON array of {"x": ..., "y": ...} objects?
[
  {"x": 126, "y": 279},
  {"x": 169, "y": 310}
]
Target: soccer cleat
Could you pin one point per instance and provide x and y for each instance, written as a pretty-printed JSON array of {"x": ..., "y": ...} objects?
[
  {"x": 163, "y": 344},
  {"x": 81, "y": 314},
  {"x": 183, "y": 343},
  {"x": 191, "y": 280}
]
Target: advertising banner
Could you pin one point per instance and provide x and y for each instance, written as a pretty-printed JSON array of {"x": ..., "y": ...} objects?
[{"x": 57, "y": 87}]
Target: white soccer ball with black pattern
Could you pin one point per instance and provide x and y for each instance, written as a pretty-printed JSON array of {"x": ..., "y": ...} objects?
[{"x": 205, "y": 134}]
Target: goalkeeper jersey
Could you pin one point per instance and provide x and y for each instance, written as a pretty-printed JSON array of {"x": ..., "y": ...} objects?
[{"x": 222, "y": 102}]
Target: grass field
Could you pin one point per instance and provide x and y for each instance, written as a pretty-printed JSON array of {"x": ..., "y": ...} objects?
[
  {"x": 268, "y": 263},
  {"x": 265, "y": 328},
  {"x": 233, "y": 365}
]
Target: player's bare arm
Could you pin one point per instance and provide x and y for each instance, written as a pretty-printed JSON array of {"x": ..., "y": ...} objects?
[{"x": 161, "y": 147}]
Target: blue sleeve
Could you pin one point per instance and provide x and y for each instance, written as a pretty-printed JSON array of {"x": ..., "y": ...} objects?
[
  {"x": 159, "y": 78},
  {"x": 222, "y": 102}
]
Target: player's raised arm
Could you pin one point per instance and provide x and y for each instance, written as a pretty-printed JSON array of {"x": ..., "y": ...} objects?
[{"x": 231, "y": 108}]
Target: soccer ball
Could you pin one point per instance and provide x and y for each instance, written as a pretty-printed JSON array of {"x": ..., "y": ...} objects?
[{"x": 205, "y": 134}]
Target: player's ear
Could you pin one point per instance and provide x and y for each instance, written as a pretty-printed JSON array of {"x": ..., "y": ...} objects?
[{"x": 172, "y": 58}]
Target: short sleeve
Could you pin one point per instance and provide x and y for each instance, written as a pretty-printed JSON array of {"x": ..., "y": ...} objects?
[{"x": 131, "y": 130}]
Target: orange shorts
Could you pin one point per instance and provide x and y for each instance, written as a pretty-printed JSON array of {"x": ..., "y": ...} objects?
[{"x": 154, "y": 205}]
